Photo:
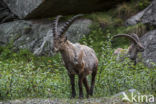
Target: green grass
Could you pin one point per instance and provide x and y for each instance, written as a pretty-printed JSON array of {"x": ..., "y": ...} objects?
[{"x": 23, "y": 75}]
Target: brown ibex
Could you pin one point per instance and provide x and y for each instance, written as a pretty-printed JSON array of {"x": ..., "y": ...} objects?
[
  {"x": 79, "y": 59},
  {"x": 135, "y": 47}
]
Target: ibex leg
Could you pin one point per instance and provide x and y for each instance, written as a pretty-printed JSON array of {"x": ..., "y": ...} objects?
[
  {"x": 80, "y": 86},
  {"x": 72, "y": 81},
  {"x": 92, "y": 83},
  {"x": 86, "y": 86}
]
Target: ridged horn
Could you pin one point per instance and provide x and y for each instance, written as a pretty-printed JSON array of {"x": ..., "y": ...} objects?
[
  {"x": 68, "y": 23},
  {"x": 55, "y": 25},
  {"x": 127, "y": 36},
  {"x": 135, "y": 36},
  {"x": 138, "y": 40}
]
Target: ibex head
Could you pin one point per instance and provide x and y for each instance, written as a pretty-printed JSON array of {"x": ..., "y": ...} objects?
[
  {"x": 135, "y": 47},
  {"x": 59, "y": 36}
]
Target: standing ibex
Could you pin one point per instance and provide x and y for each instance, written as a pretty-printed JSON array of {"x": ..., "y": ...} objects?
[
  {"x": 79, "y": 59},
  {"x": 135, "y": 47}
]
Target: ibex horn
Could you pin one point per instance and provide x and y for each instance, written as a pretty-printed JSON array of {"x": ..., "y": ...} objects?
[
  {"x": 127, "y": 36},
  {"x": 55, "y": 25},
  {"x": 68, "y": 23}
]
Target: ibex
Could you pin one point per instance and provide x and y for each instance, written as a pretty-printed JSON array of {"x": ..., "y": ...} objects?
[
  {"x": 135, "y": 47},
  {"x": 79, "y": 59}
]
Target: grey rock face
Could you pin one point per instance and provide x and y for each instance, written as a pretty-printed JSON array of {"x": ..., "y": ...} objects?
[
  {"x": 22, "y": 7},
  {"x": 134, "y": 91},
  {"x": 36, "y": 35},
  {"x": 149, "y": 41},
  {"x": 46, "y": 8},
  {"x": 5, "y": 13},
  {"x": 137, "y": 18},
  {"x": 148, "y": 15}
]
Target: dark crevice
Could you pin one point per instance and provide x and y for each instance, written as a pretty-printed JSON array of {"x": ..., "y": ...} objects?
[{"x": 5, "y": 14}]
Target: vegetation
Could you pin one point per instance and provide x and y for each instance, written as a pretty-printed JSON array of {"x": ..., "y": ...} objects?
[{"x": 25, "y": 75}]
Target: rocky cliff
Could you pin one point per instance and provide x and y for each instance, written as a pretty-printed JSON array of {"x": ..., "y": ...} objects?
[
  {"x": 147, "y": 17},
  {"x": 36, "y": 35},
  {"x": 46, "y": 8},
  {"x": 5, "y": 13}
]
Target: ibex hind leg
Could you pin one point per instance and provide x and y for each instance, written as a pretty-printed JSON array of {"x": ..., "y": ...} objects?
[
  {"x": 85, "y": 82},
  {"x": 93, "y": 82}
]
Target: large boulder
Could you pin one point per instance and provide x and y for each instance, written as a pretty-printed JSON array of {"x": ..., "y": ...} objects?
[
  {"x": 36, "y": 35},
  {"x": 146, "y": 16},
  {"x": 149, "y": 41},
  {"x": 5, "y": 13},
  {"x": 46, "y": 8},
  {"x": 150, "y": 14}
]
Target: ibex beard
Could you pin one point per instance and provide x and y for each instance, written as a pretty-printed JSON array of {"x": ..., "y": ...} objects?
[{"x": 78, "y": 59}]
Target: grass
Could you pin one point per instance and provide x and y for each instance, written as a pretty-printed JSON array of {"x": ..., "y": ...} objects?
[{"x": 23, "y": 75}]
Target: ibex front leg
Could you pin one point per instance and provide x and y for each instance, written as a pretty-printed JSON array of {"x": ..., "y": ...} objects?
[
  {"x": 72, "y": 81},
  {"x": 80, "y": 86}
]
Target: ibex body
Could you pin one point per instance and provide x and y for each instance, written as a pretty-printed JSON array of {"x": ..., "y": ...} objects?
[
  {"x": 132, "y": 51},
  {"x": 79, "y": 59}
]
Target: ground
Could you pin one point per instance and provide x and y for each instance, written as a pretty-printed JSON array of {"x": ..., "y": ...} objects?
[{"x": 67, "y": 101}]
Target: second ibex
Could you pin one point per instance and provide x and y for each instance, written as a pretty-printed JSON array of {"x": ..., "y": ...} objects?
[
  {"x": 135, "y": 47},
  {"x": 79, "y": 59}
]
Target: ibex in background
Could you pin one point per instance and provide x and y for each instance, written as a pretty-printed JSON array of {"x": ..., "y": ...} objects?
[
  {"x": 135, "y": 47},
  {"x": 79, "y": 59}
]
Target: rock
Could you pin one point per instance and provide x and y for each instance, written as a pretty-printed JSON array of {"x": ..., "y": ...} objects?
[
  {"x": 146, "y": 16},
  {"x": 150, "y": 14},
  {"x": 137, "y": 18},
  {"x": 126, "y": 96},
  {"x": 23, "y": 8},
  {"x": 36, "y": 35},
  {"x": 46, "y": 8},
  {"x": 5, "y": 13},
  {"x": 149, "y": 42},
  {"x": 134, "y": 91}
]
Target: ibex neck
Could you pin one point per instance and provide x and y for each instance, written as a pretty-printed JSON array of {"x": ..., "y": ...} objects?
[
  {"x": 67, "y": 48},
  {"x": 68, "y": 52}
]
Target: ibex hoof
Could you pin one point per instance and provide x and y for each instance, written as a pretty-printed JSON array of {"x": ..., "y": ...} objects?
[{"x": 80, "y": 97}]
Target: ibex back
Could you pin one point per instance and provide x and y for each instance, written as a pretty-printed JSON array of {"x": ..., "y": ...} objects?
[{"x": 79, "y": 59}]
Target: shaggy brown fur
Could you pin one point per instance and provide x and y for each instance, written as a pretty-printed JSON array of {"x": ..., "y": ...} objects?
[{"x": 79, "y": 59}]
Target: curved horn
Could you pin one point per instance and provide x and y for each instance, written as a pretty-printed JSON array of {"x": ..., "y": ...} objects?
[
  {"x": 127, "y": 36},
  {"x": 55, "y": 23},
  {"x": 135, "y": 36},
  {"x": 68, "y": 23},
  {"x": 138, "y": 40}
]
